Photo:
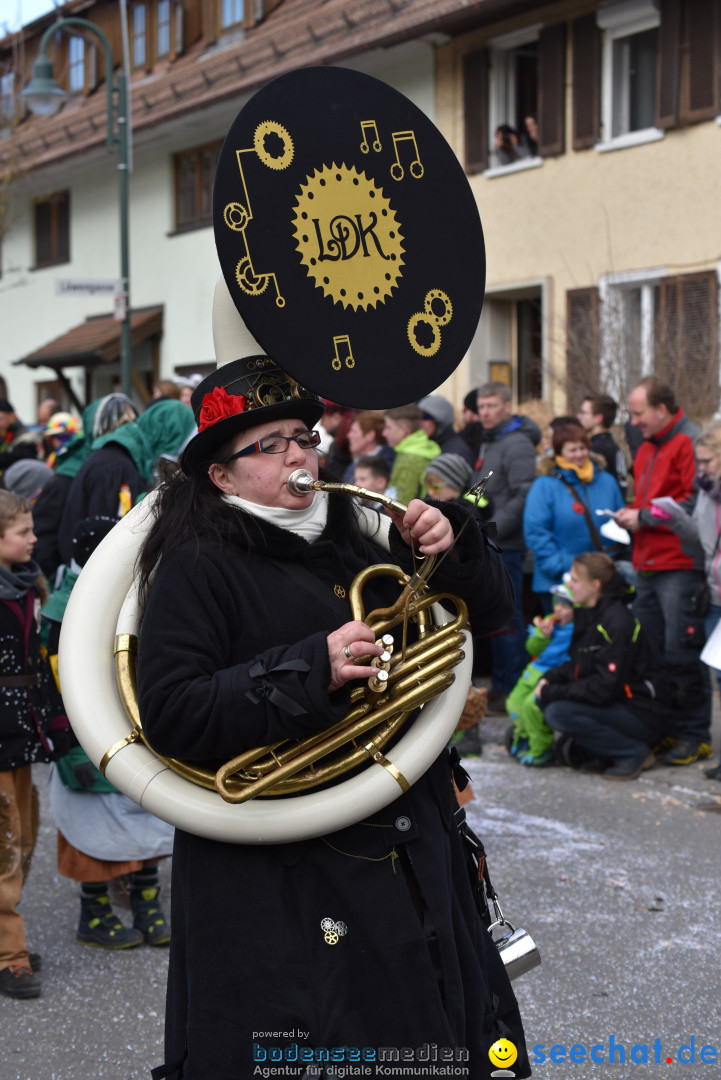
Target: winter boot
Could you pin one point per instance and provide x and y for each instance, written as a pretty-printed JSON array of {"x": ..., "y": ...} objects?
[
  {"x": 18, "y": 981},
  {"x": 148, "y": 916},
  {"x": 99, "y": 925}
]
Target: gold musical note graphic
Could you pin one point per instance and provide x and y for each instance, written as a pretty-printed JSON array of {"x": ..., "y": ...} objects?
[
  {"x": 416, "y": 167},
  {"x": 369, "y": 125},
  {"x": 337, "y": 361}
]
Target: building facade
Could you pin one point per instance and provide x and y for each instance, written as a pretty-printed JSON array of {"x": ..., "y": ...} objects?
[{"x": 591, "y": 134}]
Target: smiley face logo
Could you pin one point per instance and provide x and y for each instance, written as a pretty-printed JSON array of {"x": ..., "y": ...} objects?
[{"x": 503, "y": 1053}]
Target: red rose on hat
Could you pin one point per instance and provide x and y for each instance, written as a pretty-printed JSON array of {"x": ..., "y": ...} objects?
[{"x": 218, "y": 406}]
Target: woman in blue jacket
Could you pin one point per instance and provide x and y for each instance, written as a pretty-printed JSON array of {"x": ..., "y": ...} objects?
[{"x": 560, "y": 505}]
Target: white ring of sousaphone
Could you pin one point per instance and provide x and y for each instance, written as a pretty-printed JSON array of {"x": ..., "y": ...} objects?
[{"x": 103, "y": 603}]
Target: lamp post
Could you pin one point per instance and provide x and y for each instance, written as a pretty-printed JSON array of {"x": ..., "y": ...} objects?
[{"x": 44, "y": 97}]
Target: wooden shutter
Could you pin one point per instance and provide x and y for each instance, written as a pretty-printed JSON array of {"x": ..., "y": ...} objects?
[
  {"x": 552, "y": 90},
  {"x": 702, "y": 36},
  {"x": 582, "y": 344},
  {"x": 178, "y": 39},
  {"x": 586, "y": 82},
  {"x": 210, "y": 21},
  {"x": 686, "y": 340},
  {"x": 669, "y": 61},
  {"x": 475, "y": 110}
]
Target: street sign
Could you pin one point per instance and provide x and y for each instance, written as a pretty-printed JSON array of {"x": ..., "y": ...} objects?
[{"x": 87, "y": 287}]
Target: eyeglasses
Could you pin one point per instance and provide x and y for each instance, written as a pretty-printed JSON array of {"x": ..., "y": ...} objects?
[
  {"x": 277, "y": 444},
  {"x": 434, "y": 488}
]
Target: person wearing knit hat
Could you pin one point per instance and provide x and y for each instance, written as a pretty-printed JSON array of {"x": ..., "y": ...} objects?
[
  {"x": 548, "y": 643},
  {"x": 438, "y": 420},
  {"x": 27, "y": 478},
  {"x": 447, "y": 477}
]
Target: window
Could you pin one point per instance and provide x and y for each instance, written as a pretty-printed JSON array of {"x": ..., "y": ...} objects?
[
  {"x": 194, "y": 176},
  {"x": 513, "y": 96},
  {"x": 52, "y": 230},
  {"x": 653, "y": 323},
  {"x": 163, "y": 35},
  {"x": 232, "y": 12},
  {"x": 7, "y": 99},
  {"x": 518, "y": 81},
  {"x": 76, "y": 64},
  {"x": 629, "y": 70},
  {"x": 139, "y": 49}
]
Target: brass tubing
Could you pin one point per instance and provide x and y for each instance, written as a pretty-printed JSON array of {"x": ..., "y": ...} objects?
[
  {"x": 411, "y": 700},
  {"x": 449, "y": 660},
  {"x": 418, "y": 675}
]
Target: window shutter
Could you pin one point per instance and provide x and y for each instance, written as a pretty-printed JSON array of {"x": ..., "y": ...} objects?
[
  {"x": 586, "y": 82},
  {"x": 62, "y": 224},
  {"x": 475, "y": 110},
  {"x": 210, "y": 20},
  {"x": 702, "y": 19},
  {"x": 92, "y": 66},
  {"x": 686, "y": 347},
  {"x": 669, "y": 59},
  {"x": 178, "y": 29},
  {"x": 552, "y": 90},
  {"x": 582, "y": 344}
]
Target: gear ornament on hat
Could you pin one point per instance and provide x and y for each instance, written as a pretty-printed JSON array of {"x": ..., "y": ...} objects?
[{"x": 349, "y": 237}]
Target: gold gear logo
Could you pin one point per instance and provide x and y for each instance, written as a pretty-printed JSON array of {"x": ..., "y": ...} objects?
[
  {"x": 348, "y": 236},
  {"x": 273, "y": 144}
]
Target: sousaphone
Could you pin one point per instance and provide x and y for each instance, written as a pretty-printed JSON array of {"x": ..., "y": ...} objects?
[{"x": 352, "y": 253}]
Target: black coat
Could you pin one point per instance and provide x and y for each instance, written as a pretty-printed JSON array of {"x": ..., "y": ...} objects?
[
  {"x": 30, "y": 718},
  {"x": 248, "y": 953},
  {"x": 47, "y": 514},
  {"x": 611, "y": 662},
  {"x": 95, "y": 491}
]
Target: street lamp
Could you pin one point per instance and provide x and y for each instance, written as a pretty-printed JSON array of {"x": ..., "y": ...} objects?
[{"x": 44, "y": 97}]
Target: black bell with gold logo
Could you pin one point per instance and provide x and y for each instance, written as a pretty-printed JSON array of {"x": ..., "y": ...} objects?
[{"x": 349, "y": 237}]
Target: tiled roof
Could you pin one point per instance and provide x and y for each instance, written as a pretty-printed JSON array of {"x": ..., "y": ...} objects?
[
  {"x": 97, "y": 340},
  {"x": 297, "y": 33}
]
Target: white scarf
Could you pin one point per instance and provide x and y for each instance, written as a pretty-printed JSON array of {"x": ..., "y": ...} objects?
[{"x": 308, "y": 522}]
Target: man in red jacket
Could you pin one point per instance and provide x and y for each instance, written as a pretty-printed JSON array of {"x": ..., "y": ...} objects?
[{"x": 670, "y": 584}]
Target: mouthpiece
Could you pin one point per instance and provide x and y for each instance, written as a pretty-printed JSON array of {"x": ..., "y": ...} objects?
[{"x": 301, "y": 482}]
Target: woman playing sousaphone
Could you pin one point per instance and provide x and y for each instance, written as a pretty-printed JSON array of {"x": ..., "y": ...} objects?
[
  {"x": 234, "y": 653},
  {"x": 370, "y": 935}
]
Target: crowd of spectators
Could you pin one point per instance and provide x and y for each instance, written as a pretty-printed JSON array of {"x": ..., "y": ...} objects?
[
  {"x": 616, "y": 571},
  {"x": 600, "y": 569}
]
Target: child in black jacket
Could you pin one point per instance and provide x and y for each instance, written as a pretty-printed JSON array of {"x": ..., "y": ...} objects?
[{"x": 30, "y": 712}]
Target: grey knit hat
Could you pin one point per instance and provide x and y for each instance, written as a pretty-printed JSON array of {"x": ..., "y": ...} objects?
[
  {"x": 27, "y": 477},
  {"x": 452, "y": 469}
]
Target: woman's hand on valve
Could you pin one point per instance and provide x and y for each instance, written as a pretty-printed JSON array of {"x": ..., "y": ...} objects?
[{"x": 345, "y": 644}]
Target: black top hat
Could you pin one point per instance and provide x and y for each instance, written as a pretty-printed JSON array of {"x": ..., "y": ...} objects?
[
  {"x": 248, "y": 388},
  {"x": 349, "y": 237},
  {"x": 241, "y": 395}
]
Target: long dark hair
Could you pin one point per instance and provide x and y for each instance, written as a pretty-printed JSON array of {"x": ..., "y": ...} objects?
[{"x": 188, "y": 507}]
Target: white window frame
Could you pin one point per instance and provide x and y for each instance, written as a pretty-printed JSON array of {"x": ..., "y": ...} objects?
[
  {"x": 7, "y": 99},
  {"x": 76, "y": 64},
  {"x": 231, "y": 6},
  {"x": 139, "y": 34},
  {"x": 501, "y": 94},
  {"x": 611, "y": 288},
  {"x": 618, "y": 22},
  {"x": 164, "y": 27}
]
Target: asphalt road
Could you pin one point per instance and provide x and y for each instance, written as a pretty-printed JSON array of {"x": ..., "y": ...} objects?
[{"x": 617, "y": 883}]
